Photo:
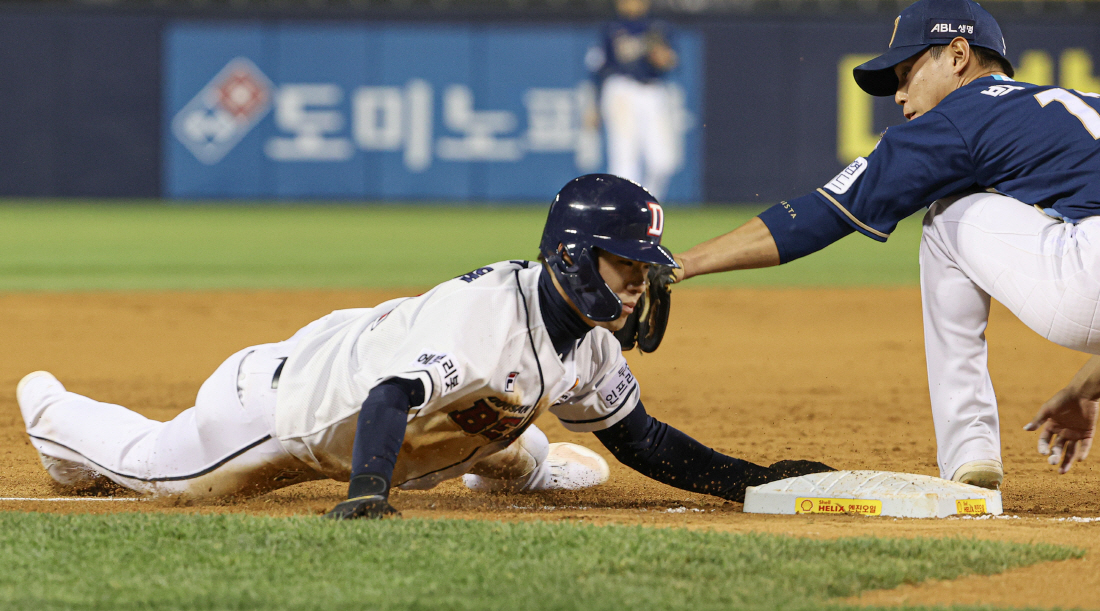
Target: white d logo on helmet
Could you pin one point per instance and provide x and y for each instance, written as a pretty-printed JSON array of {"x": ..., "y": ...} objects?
[{"x": 656, "y": 219}]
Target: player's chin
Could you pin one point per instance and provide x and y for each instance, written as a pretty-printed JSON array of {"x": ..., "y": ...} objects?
[{"x": 615, "y": 325}]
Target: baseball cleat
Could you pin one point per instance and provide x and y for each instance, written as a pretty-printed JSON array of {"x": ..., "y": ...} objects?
[
  {"x": 31, "y": 393},
  {"x": 573, "y": 467},
  {"x": 567, "y": 466},
  {"x": 982, "y": 473},
  {"x": 31, "y": 390}
]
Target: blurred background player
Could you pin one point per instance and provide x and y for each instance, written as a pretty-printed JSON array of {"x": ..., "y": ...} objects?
[{"x": 635, "y": 104}]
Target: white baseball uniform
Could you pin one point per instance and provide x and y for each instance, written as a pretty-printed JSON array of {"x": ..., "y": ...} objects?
[
  {"x": 1046, "y": 271},
  {"x": 277, "y": 414}
]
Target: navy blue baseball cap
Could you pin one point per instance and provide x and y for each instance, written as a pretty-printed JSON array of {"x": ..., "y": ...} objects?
[{"x": 924, "y": 24}]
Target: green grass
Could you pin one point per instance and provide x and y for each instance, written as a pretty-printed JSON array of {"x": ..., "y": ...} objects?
[
  {"x": 155, "y": 561},
  {"x": 48, "y": 245}
]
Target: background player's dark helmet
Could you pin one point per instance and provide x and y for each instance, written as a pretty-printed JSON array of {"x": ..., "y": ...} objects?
[{"x": 600, "y": 212}]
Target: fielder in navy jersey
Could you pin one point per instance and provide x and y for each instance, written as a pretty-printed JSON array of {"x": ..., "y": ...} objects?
[
  {"x": 636, "y": 45},
  {"x": 629, "y": 67},
  {"x": 1010, "y": 172}
]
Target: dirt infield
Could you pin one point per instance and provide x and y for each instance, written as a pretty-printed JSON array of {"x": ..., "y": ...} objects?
[{"x": 832, "y": 375}]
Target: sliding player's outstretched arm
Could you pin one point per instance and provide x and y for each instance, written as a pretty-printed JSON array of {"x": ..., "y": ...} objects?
[
  {"x": 667, "y": 455},
  {"x": 378, "y": 437}
]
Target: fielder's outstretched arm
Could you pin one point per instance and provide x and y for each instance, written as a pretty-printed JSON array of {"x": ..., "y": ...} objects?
[
  {"x": 667, "y": 455},
  {"x": 780, "y": 234}
]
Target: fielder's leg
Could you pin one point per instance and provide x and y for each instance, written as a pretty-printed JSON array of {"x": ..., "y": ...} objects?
[
  {"x": 618, "y": 108},
  {"x": 222, "y": 446},
  {"x": 531, "y": 463},
  {"x": 1046, "y": 272},
  {"x": 956, "y": 311},
  {"x": 658, "y": 134}
]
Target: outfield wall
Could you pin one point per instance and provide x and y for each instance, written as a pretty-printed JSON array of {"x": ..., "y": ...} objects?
[{"x": 265, "y": 106}]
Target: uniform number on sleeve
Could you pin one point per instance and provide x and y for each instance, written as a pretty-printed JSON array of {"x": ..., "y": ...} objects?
[
  {"x": 484, "y": 420},
  {"x": 1077, "y": 107}
]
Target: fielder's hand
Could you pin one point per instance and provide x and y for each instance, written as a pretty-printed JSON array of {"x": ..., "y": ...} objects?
[
  {"x": 1068, "y": 419},
  {"x": 370, "y": 507},
  {"x": 1068, "y": 425}
]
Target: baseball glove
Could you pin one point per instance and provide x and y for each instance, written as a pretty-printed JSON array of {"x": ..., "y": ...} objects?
[{"x": 645, "y": 327}]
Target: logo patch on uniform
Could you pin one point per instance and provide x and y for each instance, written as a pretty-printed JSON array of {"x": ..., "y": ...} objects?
[
  {"x": 569, "y": 393},
  {"x": 618, "y": 386},
  {"x": 510, "y": 383},
  {"x": 485, "y": 421},
  {"x": 999, "y": 90},
  {"x": 224, "y": 111},
  {"x": 843, "y": 181},
  {"x": 950, "y": 28},
  {"x": 444, "y": 366},
  {"x": 501, "y": 404},
  {"x": 789, "y": 209}
]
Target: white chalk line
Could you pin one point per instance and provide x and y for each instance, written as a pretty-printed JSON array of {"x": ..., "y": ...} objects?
[{"x": 75, "y": 499}]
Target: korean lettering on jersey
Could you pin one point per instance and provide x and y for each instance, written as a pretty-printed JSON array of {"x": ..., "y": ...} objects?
[{"x": 394, "y": 112}]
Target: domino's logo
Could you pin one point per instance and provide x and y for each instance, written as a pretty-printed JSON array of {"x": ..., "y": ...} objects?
[{"x": 224, "y": 111}]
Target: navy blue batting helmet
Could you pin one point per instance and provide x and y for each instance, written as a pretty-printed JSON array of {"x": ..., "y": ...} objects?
[{"x": 600, "y": 212}]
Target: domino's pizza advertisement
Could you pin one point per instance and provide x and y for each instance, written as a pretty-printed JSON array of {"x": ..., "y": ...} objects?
[{"x": 395, "y": 112}]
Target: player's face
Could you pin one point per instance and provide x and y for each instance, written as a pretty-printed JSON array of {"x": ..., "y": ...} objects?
[
  {"x": 628, "y": 280},
  {"x": 924, "y": 82}
]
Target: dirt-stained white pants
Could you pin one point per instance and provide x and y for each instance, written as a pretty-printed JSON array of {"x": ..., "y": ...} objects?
[
  {"x": 1045, "y": 271},
  {"x": 223, "y": 446}
]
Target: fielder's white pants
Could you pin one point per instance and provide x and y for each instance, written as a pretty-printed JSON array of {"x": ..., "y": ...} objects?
[
  {"x": 641, "y": 140},
  {"x": 223, "y": 446},
  {"x": 1043, "y": 270}
]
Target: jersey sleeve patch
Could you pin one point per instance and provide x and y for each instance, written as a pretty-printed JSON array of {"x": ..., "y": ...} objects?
[
  {"x": 617, "y": 387},
  {"x": 843, "y": 181},
  {"x": 444, "y": 368}
]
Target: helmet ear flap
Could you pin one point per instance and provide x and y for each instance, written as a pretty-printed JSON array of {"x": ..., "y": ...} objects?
[
  {"x": 581, "y": 280},
  {"x": 565, "y": 258},
  {"x": 594, "y": 298}
]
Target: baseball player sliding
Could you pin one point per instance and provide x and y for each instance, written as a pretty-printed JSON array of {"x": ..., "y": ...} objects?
[
  {"x": 419, "y": 390},
  {"x": 1011, "y": 172}
]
